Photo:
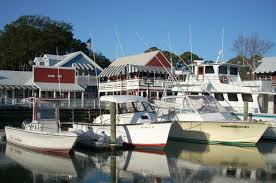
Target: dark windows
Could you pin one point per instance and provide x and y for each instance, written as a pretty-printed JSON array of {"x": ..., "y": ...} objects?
[
  {"x": 209, "y": 70},
  {"x": 222, "y": 69},
  {"x": 200, "y": 71},
  {"x": 233, "y": 71},
  {"x": 219, "y": 96},
  {"x": 232, "y": 97},
  {"x": 247, "y": 98}
]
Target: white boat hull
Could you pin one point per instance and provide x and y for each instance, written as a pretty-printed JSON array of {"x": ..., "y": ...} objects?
[
  {"x": 139, "y": 134},
  {"x": 231, "y": 133},
  {"x": 61, "y": 142}
]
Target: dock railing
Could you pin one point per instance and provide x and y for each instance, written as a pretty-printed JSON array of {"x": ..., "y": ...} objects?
[{"x": 9, "y": 103}]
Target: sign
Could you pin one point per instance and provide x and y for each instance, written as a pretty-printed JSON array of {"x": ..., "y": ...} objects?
[{"x": 54, "y": 75}]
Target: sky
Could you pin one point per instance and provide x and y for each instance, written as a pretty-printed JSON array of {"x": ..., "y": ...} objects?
[{"x": 127, "y": 27}]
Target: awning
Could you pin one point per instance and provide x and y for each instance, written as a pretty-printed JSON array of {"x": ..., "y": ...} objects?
[
  {"x": 127, "y": 69},
  {"x": 84, "y": 66},
  {"x": 18, "y": 87},
  {"x": 65, "y": 87}
]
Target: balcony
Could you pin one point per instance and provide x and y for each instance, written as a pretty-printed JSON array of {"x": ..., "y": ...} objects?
[{"x": 134, "y": 84}]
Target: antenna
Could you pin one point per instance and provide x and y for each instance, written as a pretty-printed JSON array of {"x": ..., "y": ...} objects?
[
  {"x": 220, "y": 55},
  {"x": 191, "y": 47},
  {"x": 170, "y": 47},
  {"x": 119, "y": 41},
  {"x": 59, "y": 89},
  {"x": 222, "y": 37}
]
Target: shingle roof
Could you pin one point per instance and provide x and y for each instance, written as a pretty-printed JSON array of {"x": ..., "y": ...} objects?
[
  {"x": 268, "y": 65},
  {"x": 140, "y": 59},
  {"x": 15, "y": 77}
]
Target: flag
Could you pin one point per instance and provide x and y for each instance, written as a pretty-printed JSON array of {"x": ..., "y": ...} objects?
[{"x": 89, "y": 43}]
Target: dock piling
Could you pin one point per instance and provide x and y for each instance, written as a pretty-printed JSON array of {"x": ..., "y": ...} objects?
[{"x": 112, "y": 109}]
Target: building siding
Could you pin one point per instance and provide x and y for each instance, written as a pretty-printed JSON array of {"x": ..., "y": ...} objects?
[
  {"x": 159, "y": 61},
  {"x": 50, "y": 75}
]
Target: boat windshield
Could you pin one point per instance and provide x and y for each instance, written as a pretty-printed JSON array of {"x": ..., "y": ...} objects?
[
  {"x": 46, "y": 110},
  {"x": 192, "y": 103},
  {"x": 134, "y": 107},
  {"x": 205, "y": 104}
]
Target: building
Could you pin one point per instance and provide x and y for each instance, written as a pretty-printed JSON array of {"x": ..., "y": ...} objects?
[
  {"x": 144, "y": 74},
  {"x": 87, "y": 69},
  {"x": 267, "y": 71},
  {"x": 72, "y": 76}
]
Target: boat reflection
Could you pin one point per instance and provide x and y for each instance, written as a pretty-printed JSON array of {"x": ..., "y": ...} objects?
[
  {"x": 129, "y": 166},
  {"x": 214, "y": 163},
  {"x": 268, "y": 150},
  {"x": 44, "y": 167},
  {"x": 5, "y": 162}
]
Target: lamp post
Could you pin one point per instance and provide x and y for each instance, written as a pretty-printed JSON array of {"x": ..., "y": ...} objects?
[{"x": 148, "y": 82}]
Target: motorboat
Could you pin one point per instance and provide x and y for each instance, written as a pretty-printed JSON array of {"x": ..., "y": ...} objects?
[
  {"x": 136, "y": 124},
  {"x": 199, "y": 118},
  {"x": 43, "y": 132},
  {"x": 223, "y": 81}
]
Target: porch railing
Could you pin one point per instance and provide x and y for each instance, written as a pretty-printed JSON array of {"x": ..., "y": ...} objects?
[{"x": 6, "y": 103}]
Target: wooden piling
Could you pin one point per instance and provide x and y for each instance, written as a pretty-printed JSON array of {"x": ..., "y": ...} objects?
[
  {"x": 113, "y": 169},
  {"x": 112, "y": 109},
  {"x": 245, "y": 111}
]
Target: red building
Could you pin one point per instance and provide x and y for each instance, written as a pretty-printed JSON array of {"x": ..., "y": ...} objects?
[{"x": 144, "y": 74}]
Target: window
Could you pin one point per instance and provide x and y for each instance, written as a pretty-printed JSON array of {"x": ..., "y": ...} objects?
[
  {"x": 194, "y": 93},
  {"x": 209, "y": 70},
  {"x": 125, "y": 108},
  {"x": 200, "y": 70},
  {"x": 138, "y": 106},
  {"x": 233, "y": 71},
  {"x": 232, "y": 97},
  {"x": 247, "y": 98},
  {"x": 219, "y": 96},
  {"x": 222, "y": 69},
  {"x": 148, "y": 107}
]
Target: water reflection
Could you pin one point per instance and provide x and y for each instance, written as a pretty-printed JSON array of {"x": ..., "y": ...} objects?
[
  {"x": 43, "y": 167},
  {"x": 179, "y": 162},
  {"x": 125, "y": 166}
]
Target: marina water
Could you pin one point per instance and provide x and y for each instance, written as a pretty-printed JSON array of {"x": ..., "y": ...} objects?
[{"x": 179, "y": 162}]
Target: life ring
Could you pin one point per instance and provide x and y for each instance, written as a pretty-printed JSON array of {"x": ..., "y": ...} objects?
[{"x": 223, "y": 79}]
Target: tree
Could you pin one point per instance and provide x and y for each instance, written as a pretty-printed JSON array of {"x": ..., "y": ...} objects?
[
  {"x": 101, "y": 60},
  {"x": 189, "y": 57},
  {"x": 250, "y": 48},
  {"x": 177, "y": 60},
  {"x": 31, "y": 36}
]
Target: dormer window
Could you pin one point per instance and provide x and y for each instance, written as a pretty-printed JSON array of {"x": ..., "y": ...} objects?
[{"x": 222, "y": 69}]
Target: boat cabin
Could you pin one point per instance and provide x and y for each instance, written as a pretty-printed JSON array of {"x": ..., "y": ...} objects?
[
  {"x": 192, "y": 108},
  {"x": 45, "y": 115},
  {"x": 215, "y": 72},
  {"x": 130, "y": 109}
]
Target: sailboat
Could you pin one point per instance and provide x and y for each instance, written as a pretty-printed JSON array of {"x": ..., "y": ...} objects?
[{"x": 43, "y": 133}]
